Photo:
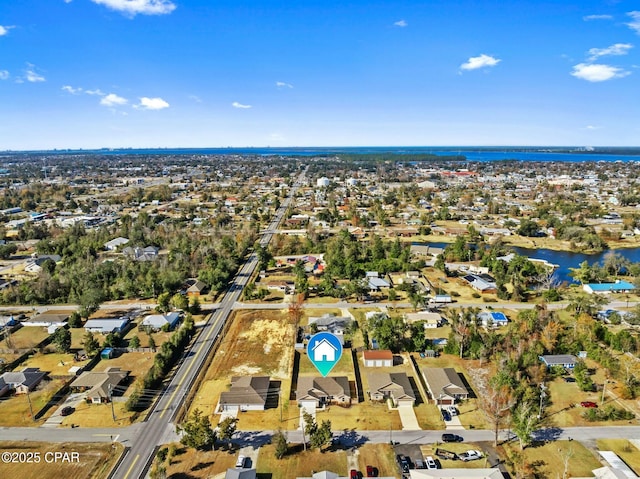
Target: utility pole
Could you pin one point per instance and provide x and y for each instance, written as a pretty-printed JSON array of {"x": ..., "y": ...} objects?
[
  {"x": 543, "y": 394},
  {"x": 113, "y": 412},
  {"x": 33, "y": 418}
]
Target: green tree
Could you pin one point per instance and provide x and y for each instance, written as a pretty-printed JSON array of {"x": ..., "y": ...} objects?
[
  {"x": 62, "y": 340},
  {"x": 152, "y": 343},
  {"x": 525, "y": 422},
  {"x": 227, "y": 428},
  {"x": 75, "y": 320},
  {"x": 197, "y": 432},
  {"x": 281, "y": 446},
  {"x": 321, "y": 436},
  {"x": 89, "y": 302},
  {"x": 134, "y": 342},
  {"x": 164, "y": 302},
  {"x": 179, "y": 301},
  {"x": 90, "y": 344}
]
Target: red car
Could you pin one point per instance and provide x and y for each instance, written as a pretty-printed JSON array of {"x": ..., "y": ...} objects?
[
  {"x": 588, "y": 404},
  {"x": 353, "y": 474},
  {"x": 371, "y": 472}
]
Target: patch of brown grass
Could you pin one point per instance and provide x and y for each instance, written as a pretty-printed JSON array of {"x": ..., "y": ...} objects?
[
  {"x": 380, "y": 456},
  {"x": 548, "y": 460},
  {"x": 15, "y": 411},
  {"x": 95, "y": 460},
  {"x": 300, "y": 464},
  {"x": 199, "y": 464}
]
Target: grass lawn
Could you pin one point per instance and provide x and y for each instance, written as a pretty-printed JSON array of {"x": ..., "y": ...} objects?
[
  {"x": 136, "y": 363},
  {"x": 159, "y": 337},
  {"x": 429, "y": 417},
  {"x": 548, "y": 460},
  {"x": 471, "y": 416},
  {"x": 363, "y": 416},
  {"x": 95, "y": 460},
  {"x": 322, "y": 300},
  {"x": 14, "y": 410},
  {"x": 624, "y": 449},
  {"x": 100, "y": 415},
  {"x": 344, "y": 367},
  {"x": 56, "y": 364},
  {"x": 192, "y": 464},
  {"x": 380, "y": 456},
  {"x": 300, "y": 464},
  {"x": 26, "y": 337}
]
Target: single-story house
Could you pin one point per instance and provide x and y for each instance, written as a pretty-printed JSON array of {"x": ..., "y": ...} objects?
[
  {"x": 106, "y": 325},
  {"x": 194, "y": 287},
  {"x": 604, "y": 288},
  {"x": 391, "y": 385},
  {"x": 445, "y": 386},
  {"x": 23, "y": 381},
  {"x": 483, "y": 283},
  {"x": 240, "y": 473},
  {"x": 493, "y": 318},
  {"x": 99, "y": 385},
  {"x": 377, "y": 358},
  {"x": 429, "y": 319},
  {"x": 336, "y": 325},
  {"x": 320, "y": 391},
  {"x": 115, "y": 243},
  {"x": 247, "y": 393},
  {"x": 34, "y": 265},
  {"x": 150, "y": 253},
  {"x": 158, "y": 321},
  {"x": 567, "y": 361}
]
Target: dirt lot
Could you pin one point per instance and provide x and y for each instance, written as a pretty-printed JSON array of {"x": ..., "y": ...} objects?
[
  {"x": 94, "y": 460},
  {"x": 260, "y": 343}
]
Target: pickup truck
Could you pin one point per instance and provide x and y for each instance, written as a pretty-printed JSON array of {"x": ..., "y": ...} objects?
[{"x": 470, "y": 455}]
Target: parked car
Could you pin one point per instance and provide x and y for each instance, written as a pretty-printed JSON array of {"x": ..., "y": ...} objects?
[
  {"x": 353, "y": 474},
  {"x": 241, "y": 460},
  {"x": 67, "y": 411},
  {"x": 452, "y": 410},
  {"x": 445, "y": 415},
  {"x": 451, "y": 438},
  {"x": 470, "y": 455},
  {"x": 403, "y": 462},
  {"x": 430, "y": 462},
  {"x": 588, "y": 404},
  {"x": 372, "y": 471}
]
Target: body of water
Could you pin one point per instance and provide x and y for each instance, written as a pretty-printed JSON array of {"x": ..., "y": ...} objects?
[{"x": 565, "y": 259}]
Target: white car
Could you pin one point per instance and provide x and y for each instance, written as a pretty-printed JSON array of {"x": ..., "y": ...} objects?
[
  {"x": 452, "y": 410},
  {"x": 470, "y": 455},
  {"x": 430, "y": 462},
  {"x": 241, "y": 460}
]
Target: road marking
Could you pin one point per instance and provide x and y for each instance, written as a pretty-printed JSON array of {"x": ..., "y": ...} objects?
[
  {"x": 131, "y": 466},
  {"x": 186, "y": 373}
]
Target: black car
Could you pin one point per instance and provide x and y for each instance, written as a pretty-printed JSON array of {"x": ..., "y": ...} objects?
[
  {"x": 403, "y": 462},
  {"x": 67, "y": 411},
  {"x": 445, "y": 415},
  {"x": 451, "y": 438}
]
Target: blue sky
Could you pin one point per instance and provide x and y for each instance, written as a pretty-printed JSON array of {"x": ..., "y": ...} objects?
[{"x": 198, "y": 73}]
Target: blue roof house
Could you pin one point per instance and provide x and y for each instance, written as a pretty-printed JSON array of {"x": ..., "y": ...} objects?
[
  {"x": 604, "y": 288},
  {"x": 493, "y": 318}
]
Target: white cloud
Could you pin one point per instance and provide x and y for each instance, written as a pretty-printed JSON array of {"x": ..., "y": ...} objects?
[
  {"x": 235, "y": 104},
  {"x": 616, "y": 49},
  {"x": 281, "y": 84},
  {"x": 597, "y": 72},
  {"x": 152, "y": 103},
  {"x": 634, "y": 24},
  {"x": 480, "y": 62},
  {"x": 72, "y": 90},
  {"x": 67, "y": 1},
  {"x": 5, "y": 29},
  {"x": 4, "y": 74},
  {"x": 587, "y": 18},
  {"x": 94, "y": 92},
  {"x": 31, "y": 75},
  {"x": 592, "y": 127},
  {"x": 401, "y": 23},
  {"x": 132, "y": 8},
  {"x": 113, "y": 100}
]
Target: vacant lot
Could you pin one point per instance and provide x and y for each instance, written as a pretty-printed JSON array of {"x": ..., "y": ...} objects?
[
  {"x": 25, "y": 337},
  {"x": 380, "y": 456},
  {"x": 258, "y": 343},
  {"x": 136, "y": 363},
  {"x": 15, "y": 411},
  {"x": 192, "y": 464},
  {"x": 548, "y": 461},
  {"x": 300, "y": 463},
  {"x": 95, "y": 460}
]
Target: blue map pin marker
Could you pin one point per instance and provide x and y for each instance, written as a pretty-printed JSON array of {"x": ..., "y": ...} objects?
[{"x": 324, "y": 351}]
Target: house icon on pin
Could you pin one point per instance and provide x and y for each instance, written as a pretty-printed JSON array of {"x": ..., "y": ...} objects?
[{"x": 324, "y": 351}]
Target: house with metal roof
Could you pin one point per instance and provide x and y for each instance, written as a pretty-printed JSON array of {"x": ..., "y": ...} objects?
[
  {"x": 115, "y": 243},
  {"x": 240, "y": 473},
  {"x": 567, "y": 361},
  {"x": 493, "y": 318},
  {"x": 158, "y": 321},
  {"x": 604, "y": 288},
  {"x": 106, "y": 325}
]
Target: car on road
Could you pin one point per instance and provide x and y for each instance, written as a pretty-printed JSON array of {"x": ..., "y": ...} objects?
[
  {"x": 470, "y": 455},
  {"x": 430, "y": 462},
  {"x": 241, "y": 460},
  {"x": 66, "y": 411},
  {"x": 451, "y": 438},
  {"x": 588, "y": 404}
]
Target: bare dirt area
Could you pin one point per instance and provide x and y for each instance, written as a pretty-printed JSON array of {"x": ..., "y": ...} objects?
[{"x": 80, "y": 461}]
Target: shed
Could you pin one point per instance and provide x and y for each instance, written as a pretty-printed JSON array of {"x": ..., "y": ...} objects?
[{"x": 106, "y": 353}]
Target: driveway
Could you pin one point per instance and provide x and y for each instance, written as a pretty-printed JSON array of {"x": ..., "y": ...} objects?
[
  {"x": 251, "y": 454},
  {"x": 71, "y": 401},
  {"x": 308, "y": 408},
  {"x": 454, "y": 424},
  {"x": 408, "y": 418},
  {"x": 232, "y": 412}
]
